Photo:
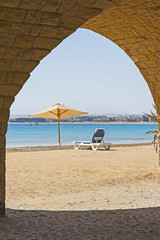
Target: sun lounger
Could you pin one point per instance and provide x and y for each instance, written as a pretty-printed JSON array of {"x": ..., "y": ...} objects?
[{"x": 96, "y": 142}]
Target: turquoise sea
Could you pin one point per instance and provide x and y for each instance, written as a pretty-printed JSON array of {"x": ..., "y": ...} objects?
[{"x": 20, "y": 135}]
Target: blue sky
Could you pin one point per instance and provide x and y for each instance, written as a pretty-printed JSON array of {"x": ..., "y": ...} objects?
[{"x": 88, "y": 72}]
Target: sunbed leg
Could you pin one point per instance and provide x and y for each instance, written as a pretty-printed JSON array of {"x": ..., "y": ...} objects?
[
  {"x": 94, "y": 148},
  {"x": 75, "y": 147}
]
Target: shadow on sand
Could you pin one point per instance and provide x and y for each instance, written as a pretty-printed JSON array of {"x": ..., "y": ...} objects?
[{"x": 130, "y": 224}]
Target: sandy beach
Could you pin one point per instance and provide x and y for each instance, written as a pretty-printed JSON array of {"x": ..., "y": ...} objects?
[
  {"x": 76, "y": 189},
  {"x": 82, "y": 180}
]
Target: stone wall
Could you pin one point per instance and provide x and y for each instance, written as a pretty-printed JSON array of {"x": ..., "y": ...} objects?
[{"x": 29, "y": 30}]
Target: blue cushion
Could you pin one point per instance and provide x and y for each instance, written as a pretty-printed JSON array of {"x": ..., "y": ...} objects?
[{"x": 99, "y": 133}]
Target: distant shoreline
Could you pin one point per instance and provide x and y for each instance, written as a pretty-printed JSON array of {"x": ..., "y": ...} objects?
[{"x": 83, "y": 123}]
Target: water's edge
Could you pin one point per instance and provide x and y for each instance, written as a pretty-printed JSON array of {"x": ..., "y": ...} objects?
[{"x": 48, "y": 148}]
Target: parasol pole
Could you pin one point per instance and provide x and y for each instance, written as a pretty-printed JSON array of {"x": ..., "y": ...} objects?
[{"x": 59, "y": 131}]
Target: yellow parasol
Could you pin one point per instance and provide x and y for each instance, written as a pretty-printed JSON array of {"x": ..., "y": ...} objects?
[{"x": 59, "y": 112}]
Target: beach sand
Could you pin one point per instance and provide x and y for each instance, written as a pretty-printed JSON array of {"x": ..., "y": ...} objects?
[{"x": 84, "y": 194}]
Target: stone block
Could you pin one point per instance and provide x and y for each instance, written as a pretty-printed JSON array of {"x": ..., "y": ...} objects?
[
  {"x": 49, "y": 18},
  {"x": 141, "y": 58},
  {"x": 144, "y": 50},
  {"x": 23, "y": 66},
  {"x": 48, "y": 31},
  {"x": 2, "y": 208},
  {"x": 91, "y": 12},
  {"x": 45, "y": 43},
  {"x": 150, "y": 78},
  {"x": 9, "y": 3},
  {"x": 20, "y": 78},
  {"x": 2, "y": 12},
  {"x": 50, "y": 5},
  {"x": 5, "y": 26},
  {"x": 141, "y": 65},
  {"x": 127, "y": 46},
  {"x": 2, "y": 154},
  {"x": 17, "y": 65},
  {"x": 28, "y": 4},
  {"x": 70, "y": 9},
  {"x": 36, "y": 30},
  {"x": 152, "y": 70},
  {"x": 7, "y": 39},
  {"x": 157, "y": 78},
  {"x": 2, "y": 77},
  {"x": 120, "y": 42},
  {"x": 84, "y": 3},
  {"x": 39, "y": 54},
  {"x": 9, "y": 78},
  {"x": 5, "y": 64},
  {"x": 71, "y": 22},
  {"x": 13, "y": 14},
  {"x": 4, "y": 113},
  {"x": 21, "y": 28},
  {"x": 2, "y": 195},
  {"x": 158, "y": 69},
  {"x": 2, "y": 144},
  {"x": 23, "y": 41},
  {"x": 156, "y": 85},
  {"x": 9, "y": 90},
  {"x": 135, "y": 59},
  {"x": 62, "y": 32},
  {"x": 7, "y": 102},
  {"x": 1, "y": 101},
  {"x": 33, "y": 16},
  {"x": 152, "y": 63},
  {"x": 3, "y": 128},
  {"x": 2, "y": 181},
  {"x": 28, "y": 54},
  {"x": 30, "y": 65},
  {"x": 14, "y": 53},
  {"x": 2, "y": 51},
  {"x": 142, "y": 70},
  {"x": 81, "y": 11}
]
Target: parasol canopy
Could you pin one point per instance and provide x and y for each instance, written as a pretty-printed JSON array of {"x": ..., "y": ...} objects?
[{"x": 59, "y": 112}]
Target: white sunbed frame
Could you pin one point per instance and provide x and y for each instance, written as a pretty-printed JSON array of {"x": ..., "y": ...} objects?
[{"x": 94, "y": 146}]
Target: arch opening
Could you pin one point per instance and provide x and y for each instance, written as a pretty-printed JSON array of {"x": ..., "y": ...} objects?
[{"x": 43, "y": 157}]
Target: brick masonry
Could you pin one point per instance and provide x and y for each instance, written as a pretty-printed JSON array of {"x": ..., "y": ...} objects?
[{"x": 29, "y": 30}]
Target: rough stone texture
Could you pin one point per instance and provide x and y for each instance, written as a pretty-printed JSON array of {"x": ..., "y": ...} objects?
[
  {"x": 2, "y": 208},
  {"x": 29, "y": 30},
  {"x": 2, "y": 174},
  {"x": 129, "y": 224}
]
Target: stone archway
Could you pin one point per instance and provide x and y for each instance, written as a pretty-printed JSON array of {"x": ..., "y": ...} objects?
[{"x": 29, "y": 30}]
